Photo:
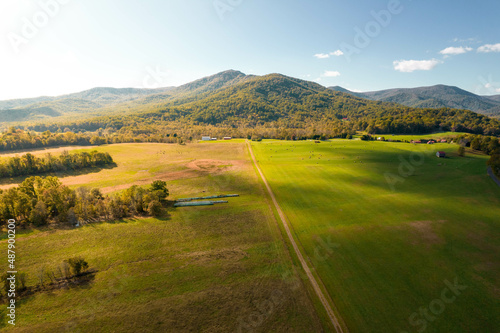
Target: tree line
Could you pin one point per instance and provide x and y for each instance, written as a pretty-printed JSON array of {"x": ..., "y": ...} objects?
[
  {"x": 269, "y": 107},
  {"x": 268, "y": 111},
  {"x": 487, "y": 144},
  {"x": 22, "y": 139},
  {"x": 29, "y": 164},
  {"x": 41, "y": 200},
  {"x": 70, "y": 271},
  {"x": 490, "y": 145}
]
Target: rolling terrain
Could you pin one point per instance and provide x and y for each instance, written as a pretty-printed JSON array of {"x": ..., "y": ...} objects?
[
  {"x": 76, "y": 104},
  {"x": 236, "y": 100},
  {"x": 438, "y": 96},
  {"x": 105, "y": 100},
  {"x": 273, "y": 106}
]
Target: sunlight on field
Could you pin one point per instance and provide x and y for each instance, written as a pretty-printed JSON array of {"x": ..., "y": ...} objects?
[
  {"x": 200, "y": 268},
  {"x": 386, "y": 224}
]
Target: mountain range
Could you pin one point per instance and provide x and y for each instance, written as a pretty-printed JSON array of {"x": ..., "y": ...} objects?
[
  {"x": 437, "y": 96},
  {"x": 232, "y": 95},
  {"x": 76, "y": 104}
]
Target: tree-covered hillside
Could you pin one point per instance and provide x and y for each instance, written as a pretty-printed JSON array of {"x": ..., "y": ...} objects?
[
  {"x": 94, "y": 101},
  {"x": 273, "y": 105},
  {"x": 438, "y": 96},
  {"x": 292, "y": 103}
]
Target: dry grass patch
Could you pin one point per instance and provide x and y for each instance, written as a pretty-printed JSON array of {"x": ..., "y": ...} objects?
[{"x": 424, "y": 233}]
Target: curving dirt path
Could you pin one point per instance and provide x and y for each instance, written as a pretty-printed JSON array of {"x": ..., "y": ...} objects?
[{"x": 324, "y": 300}]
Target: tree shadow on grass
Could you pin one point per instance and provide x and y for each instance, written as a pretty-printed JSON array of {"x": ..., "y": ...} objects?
[
  {"x": 81, "y": 281},
  {"x": 59, "y": 174},
  {"x": 123, "y": 220}
]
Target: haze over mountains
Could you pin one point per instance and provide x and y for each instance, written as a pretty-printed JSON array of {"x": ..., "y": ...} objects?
[
  {"x": 437, "y": 96},
  {"x": 235, "y": 94},
  {"x": 84, "y": 102}
]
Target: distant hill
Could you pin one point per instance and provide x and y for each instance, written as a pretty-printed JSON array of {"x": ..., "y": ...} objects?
[
  {"x": 293, "y": 102},
  {"x": 437, "y": 96},
  {"x": 31, "y": 114},
  {"x": 16, "y": 103},
  {"x": 105, "y": 100},
  {"x": 188, "y": 92},
  {"x": 340, "y": 89},
  {"x": 233, "y": 99},
  {"x": 279, "y": 102},
  {"x": 494, "y": 97},
  {"x": 88, "y": 101}
]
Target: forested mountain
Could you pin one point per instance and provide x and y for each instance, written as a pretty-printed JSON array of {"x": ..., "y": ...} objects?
[
  {"x": 234, "y": 100},
  {"x": 101, "y": 101},
  {"x": 32, "y": 114},
  {"x": 186, "y": 93},
  {"x": 437, "y": 96},
  {"x": 281, "y": 102},
  {"x": 88, "y": 101},
  {"x": 494, "y": 97},
  {"x": 17, "y": 103},
  {"x": 209, "y": 84},
  {"x": 344, "y": 90}
]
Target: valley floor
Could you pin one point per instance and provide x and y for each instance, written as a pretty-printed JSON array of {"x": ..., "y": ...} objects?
[
  {"x": 390, "y": 228},
  {"x": 212, "y": 269},
  {"x": 386, "y": 228}
]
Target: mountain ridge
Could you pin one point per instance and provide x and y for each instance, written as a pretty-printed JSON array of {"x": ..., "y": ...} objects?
[
  {"x": 231, "y": 96},
  {"x": 436, "y": 96}
]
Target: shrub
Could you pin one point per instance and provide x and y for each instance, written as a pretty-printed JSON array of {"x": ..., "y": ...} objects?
[
  {"x": 78, "y": 265},
  {"x": 461, "y": 151},
  {"x": 155, "y": 208},
  {"x": 39, "y": 214}
]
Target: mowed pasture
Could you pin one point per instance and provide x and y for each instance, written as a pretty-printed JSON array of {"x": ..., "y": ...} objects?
[
  {"x": 220, "y": 268},
  {"x": 388, "y": 254}
]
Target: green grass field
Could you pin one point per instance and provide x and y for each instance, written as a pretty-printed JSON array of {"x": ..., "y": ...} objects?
[
  {"x": 403, "y": 137},
  {"x": 212, "y": 269},
  {"x": 384, "y": 252}
]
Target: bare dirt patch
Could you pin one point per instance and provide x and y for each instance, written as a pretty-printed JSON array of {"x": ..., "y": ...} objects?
[
  {"x": 234, "y": 254},
  {"x": 215, "y": 166},
  {"x": 184, "y": 174}
]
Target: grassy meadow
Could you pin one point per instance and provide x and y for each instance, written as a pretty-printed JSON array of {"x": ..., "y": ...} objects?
[
  {"x": 199, "y": 269},
  {"x": 388, "y": 227}
]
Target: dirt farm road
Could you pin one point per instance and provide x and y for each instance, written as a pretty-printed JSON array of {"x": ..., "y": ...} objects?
[{"x": 310, "y": 276}]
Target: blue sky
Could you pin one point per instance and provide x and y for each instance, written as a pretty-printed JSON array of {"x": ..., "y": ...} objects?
[{"x": 51, "y": 47}]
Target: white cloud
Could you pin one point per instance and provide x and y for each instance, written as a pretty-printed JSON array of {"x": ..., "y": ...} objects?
[
  {"x": 322, "y": 55},
  {"x": 337, "y": 53},
  {"x": 491, "y": 86},
  {"x": 455, "y": 50},
  {"x": 408, "y": 66},
  {"x": 489, "y": 48},
  {"x": 330, "y": 74},
  {"x": 467, "y": 40}
]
